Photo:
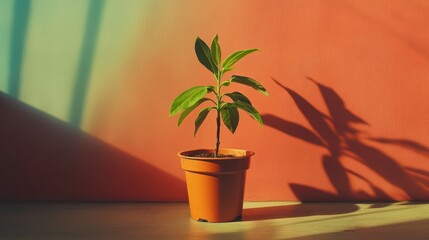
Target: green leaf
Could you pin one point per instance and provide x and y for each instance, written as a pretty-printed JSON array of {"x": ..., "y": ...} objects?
[
  {"x": 230, "y": 116},
  {"x": 251, "y": 83},
  {"x": 236, "y": 96},
  {"x": 201, "y": 117},
  {"x": 250, "y": 109},
  {"x": 190, "y": 109},
  {"x": 226, "y": 83},
  {"x": 224, "y": 70},
  {"x": 188, "y": 98},
  {"x": 233, "y": 58},
  {"x": 215, "y": 50},
  {"x": 204, "y": 55}
]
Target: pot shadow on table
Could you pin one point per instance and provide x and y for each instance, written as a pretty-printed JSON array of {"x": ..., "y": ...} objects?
[
  {"x": 297, "y": 210},
  {"x": 337, "y": 132}
]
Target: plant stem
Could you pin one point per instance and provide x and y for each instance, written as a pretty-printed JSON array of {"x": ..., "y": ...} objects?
[
  {"x": 217, "y": 133},
  {"x": 218, "y": 77}
]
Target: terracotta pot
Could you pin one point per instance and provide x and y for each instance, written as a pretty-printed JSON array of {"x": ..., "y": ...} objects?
[{"x": 216, "y": 185}]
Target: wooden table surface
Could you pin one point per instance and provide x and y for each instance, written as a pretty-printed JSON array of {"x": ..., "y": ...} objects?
[{"x": 261, "y": 220}]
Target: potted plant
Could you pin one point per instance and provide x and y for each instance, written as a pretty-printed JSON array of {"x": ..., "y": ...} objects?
[{"x": 215, "y": 177}]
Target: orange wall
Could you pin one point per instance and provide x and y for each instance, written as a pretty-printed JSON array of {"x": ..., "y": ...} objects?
[{"x": 347, "y": 118}]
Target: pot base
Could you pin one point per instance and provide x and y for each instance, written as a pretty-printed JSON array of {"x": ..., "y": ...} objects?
[{"x": 234, "y": 220}]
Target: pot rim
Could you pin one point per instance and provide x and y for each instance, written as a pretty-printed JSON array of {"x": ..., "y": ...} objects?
[{"x": 248, "y": 154}]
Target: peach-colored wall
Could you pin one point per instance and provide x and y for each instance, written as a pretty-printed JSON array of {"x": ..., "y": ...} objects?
[{"x": 347, "y": 118}]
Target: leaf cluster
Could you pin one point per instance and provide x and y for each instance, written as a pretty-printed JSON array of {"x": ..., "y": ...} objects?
[{"x": 189, "y": 100}]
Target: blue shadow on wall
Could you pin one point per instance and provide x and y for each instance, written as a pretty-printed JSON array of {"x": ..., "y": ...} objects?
[
  {"x": 45, "y": 159},
  {"x": 20, "y": 17},
  {"x": 83, "y": 72}
]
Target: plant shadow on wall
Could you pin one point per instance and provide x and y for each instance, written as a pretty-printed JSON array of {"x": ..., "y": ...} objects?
[{"x": 338, "y": 134}]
